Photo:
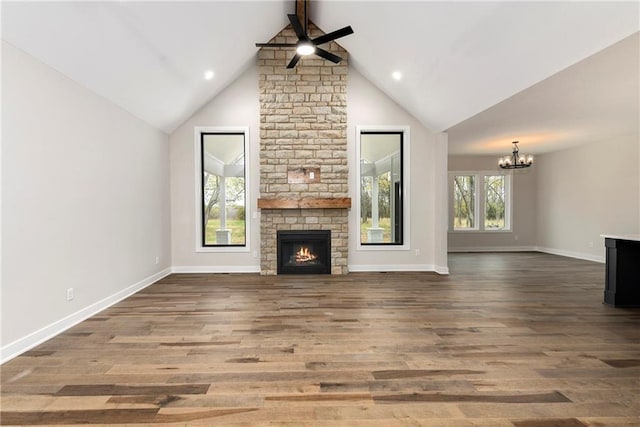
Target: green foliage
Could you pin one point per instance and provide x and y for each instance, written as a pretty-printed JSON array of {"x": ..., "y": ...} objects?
[
  {"x": 240, "y": 212},
  {"x": 384, "y": 223},
  {"x": 237, "y": 227},
  {"x": 214, "y": 212}
]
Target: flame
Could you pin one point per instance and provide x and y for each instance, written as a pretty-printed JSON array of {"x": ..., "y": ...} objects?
[{"x": 305, "y": 255}]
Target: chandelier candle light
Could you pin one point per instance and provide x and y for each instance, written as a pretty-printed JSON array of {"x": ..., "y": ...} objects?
[{"x": 515, "y": 160}]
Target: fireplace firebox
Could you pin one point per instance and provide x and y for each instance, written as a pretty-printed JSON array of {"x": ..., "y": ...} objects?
[{"x": 304, "y": 252}]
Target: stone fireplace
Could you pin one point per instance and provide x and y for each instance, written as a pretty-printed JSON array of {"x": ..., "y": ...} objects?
[{"x": 303, "y": 149}]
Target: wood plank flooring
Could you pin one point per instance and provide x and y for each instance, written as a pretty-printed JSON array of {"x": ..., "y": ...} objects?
[{"x": 519, "y": 340}]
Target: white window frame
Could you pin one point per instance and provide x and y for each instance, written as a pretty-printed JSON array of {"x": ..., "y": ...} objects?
[
  {"x": 406, "y": 220},
  {"x": 479, "y": 204},
  {"x": 198, "y": 131}
]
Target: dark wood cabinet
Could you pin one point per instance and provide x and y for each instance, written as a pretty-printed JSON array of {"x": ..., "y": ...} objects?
[{"x": 622, "y": 280}]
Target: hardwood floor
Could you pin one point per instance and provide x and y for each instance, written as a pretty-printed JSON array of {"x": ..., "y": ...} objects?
[{"x": 506, "y": 340}]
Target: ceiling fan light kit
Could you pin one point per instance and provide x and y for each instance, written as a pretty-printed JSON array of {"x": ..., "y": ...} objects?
[
  {"x": 305, "y": 48},
  {"x": 306, "y": 45}
]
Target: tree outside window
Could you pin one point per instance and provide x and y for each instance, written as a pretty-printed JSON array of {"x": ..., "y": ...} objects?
[
  {"x": 494, "y": 191},
  {"x": 464, "y": 196},
  {"x": 484, "y": 210},
  {"x": 223, "y": 189},
  {"x": 381, "y": 197}
]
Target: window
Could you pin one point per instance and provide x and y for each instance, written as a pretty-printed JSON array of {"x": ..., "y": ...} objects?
[
  {"x": 221, "y": 188},
  {"x": 382, "y": 197},
  {"x": 464, "y": 202},
  {"x": 480, "y": 201},
  {"x": 494, "y": 202}
]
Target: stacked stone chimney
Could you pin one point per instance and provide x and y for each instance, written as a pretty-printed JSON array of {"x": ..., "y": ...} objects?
[{"x": 303, "y": 145}]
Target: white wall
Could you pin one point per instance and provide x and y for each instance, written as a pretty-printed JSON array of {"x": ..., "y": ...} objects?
[
  {"x": 237, "y": 105},
  {"x": 585, "y": 192},
  {"x": 523, "y": 228},
  {"x": 368, "y": 106},
  {"x": 85, "y": 202}
]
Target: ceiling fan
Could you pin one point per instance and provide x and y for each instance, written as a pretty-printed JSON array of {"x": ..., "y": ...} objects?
[{"x": 306, "y": 45}]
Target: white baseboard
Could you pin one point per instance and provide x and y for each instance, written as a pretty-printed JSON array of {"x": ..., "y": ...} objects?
[
  {"x": 26, "y": 343},
  {"x": 398, "y": 267},
  {"x": 217, "y": 269},
  {"x": 570, "y": 254},
  {"x": 494, "y": 249},
  {"x": 444, "y": 270}
]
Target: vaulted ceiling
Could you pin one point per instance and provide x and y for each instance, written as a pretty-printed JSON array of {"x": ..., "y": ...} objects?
[{"x": 459, "y": 60}]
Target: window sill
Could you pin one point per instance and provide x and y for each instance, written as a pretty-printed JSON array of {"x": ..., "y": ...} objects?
[
  {"x": 222, "y": 249},
  {"x": 480, "y": 231},
  {"x": 383, "y": 247}
]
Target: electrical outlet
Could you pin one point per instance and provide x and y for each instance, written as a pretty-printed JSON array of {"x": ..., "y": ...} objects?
[
  {"x": 157, "y": 260},
  {"x": 590, "y": 244},
  {"x": 255, "y": 254},
  {"x": 69, "y": 294},
  {"x": 417, "y": 252},
  {"x": 516, "y": 237}
]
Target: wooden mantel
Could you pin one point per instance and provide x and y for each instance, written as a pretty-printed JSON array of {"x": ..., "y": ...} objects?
[{"x": 305, "y": 203}]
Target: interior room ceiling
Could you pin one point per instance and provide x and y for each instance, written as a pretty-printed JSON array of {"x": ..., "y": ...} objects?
[
  {"x": 457, "y": 59},
  {"x": 595, "y": 100}
]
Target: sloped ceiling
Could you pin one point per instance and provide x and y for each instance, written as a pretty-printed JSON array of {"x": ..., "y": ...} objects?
[
  {"x": 595, "y": 100},
  {"x": 458, "y": 59},
  {"x": 147, "y": 57}
]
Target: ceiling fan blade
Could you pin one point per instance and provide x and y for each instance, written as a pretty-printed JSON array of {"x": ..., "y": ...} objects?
[
  {"x": 275, "y": 44},
  {"x": 294, "y": 61},
  {"x": 297, "y": 26},
  {"x": 328, "y": 55},
  {"x": 333, "y": 35}
]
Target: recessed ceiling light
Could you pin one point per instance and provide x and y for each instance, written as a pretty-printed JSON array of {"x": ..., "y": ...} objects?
[
  {"x": 397, "y": 75},
  {"x": 208, "y": 74}
]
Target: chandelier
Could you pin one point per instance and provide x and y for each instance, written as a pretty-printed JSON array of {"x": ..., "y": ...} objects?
[{"x": 515, "y": 160}]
